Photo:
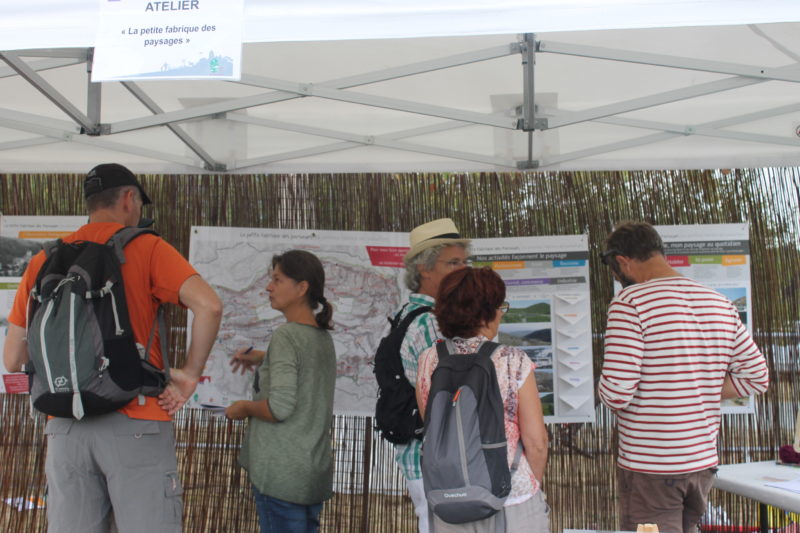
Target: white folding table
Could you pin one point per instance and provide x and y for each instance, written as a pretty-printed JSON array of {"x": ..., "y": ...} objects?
[{"x": 749, "y": 480}]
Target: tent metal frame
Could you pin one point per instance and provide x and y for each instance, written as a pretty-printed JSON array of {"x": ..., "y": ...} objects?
[{"x": 87, "y": 127}]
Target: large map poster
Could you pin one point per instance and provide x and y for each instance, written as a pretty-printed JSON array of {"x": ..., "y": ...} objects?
[
  {"x": 363, "y": 281},
  {"x": 547, "y": 280},
  {"x": 718, "y": 256},
  {"x": 20, "y": 238}
]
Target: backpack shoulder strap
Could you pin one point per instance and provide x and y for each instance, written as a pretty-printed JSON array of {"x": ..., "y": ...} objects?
[
  {"x": 411, "y": 316},
  {"x": 445, "y": 348},
  {"x": 441, "y": 349},
  {"x": 159, "y": 324},
  {"x": 49, "y": 247},
  {"x": 487, "y": 349},
  {"x": 118, "y": 242},
  {"x": 121, "y": 238},
  {"x": 394, "y": 321}
]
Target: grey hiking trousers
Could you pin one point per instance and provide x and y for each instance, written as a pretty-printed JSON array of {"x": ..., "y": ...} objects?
[{"x": 112, "y": 468}]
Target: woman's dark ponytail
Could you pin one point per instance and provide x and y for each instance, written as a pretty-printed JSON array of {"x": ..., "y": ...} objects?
[{"x": 325, "y": 315}]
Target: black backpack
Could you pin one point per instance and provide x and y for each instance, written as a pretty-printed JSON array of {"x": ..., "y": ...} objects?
[
  {"x": 465, "y": 470},
  {"x": 396, "y": 413},
  {"x": 83, "y": 359}
]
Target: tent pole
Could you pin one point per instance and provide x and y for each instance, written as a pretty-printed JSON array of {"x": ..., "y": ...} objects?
[
  {"x": 93, "y": 96},
  {"x": 528, "y": 121},
  {"x": 528, "y": 95},
  {"x": 530, "y": 146}
]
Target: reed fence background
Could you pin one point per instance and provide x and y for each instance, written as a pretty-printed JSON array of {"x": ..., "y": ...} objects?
[{"x": 580, "y": 475}]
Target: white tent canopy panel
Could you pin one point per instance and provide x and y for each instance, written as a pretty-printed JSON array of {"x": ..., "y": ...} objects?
[{"x": 468, "y": 87}]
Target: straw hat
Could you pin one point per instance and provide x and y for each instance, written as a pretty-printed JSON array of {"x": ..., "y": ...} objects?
[{"x": 434, "y": 233}]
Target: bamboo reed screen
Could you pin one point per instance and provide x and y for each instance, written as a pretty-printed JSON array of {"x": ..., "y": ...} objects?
[{"x": 580, "y": 476}]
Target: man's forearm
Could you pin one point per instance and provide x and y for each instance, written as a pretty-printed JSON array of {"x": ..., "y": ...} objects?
[
  {"x": 728, "y": 390},
  {"x": 15, "y": 349},
  {"x": 204, "y": 303},
  {"x": 204, "y": 332}
]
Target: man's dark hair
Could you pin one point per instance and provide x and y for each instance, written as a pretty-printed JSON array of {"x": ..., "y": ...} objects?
[
  {"x": 637, "y": 240},
  {"x": 105, "y": 199}
]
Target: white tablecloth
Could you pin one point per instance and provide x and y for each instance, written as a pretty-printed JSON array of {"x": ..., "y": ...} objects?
[{"x": 748, "y": 479}]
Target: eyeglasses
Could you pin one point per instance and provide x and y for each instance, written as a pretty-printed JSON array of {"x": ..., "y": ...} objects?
[
  {"x": 456, "y": 263},
  {"x": 504, "y": 307},
  {"x": 605, "y": 256}
]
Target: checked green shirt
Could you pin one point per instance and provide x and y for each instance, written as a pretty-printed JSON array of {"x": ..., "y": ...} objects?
[{"x": 421, "y": 334}]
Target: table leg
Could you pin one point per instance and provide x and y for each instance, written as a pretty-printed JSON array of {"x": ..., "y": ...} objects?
[{"x": 763, "y": 518}]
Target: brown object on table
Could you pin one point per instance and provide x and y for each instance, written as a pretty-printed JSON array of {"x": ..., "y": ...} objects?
[{"x": 646, "y": 528}]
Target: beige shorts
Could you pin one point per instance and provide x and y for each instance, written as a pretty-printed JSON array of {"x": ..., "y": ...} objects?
[{"x": 112, "y": 467}]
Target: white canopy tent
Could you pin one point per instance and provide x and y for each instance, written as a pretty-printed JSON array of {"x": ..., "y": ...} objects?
[{"x": 395, "y": 85}]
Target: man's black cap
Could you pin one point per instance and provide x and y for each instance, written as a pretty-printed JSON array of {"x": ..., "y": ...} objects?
[{"x": 110, "y": 175}]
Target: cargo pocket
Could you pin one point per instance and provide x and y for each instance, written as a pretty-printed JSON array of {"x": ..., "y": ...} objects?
[
  {"x": 138, "y": 442},
  {"x": 173, "y": 503},
  {"x": 61, "y": 454}
]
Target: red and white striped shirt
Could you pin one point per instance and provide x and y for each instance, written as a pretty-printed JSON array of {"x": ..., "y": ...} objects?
[{"x": 669, "y": 344}]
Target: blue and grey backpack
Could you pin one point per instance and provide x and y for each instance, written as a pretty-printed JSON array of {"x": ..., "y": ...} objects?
[
  {"x": 465, "y": 468},
  {"x": 83, "y": 359}
]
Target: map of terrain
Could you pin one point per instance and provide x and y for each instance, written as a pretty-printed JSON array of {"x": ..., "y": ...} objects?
[{"x": 235, "y": 261}]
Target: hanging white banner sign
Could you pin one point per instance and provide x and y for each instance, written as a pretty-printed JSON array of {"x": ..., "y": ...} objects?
[{"x": 171, "y": 39}]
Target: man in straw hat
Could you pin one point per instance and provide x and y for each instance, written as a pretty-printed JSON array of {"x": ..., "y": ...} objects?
[
  {"x": 673, "y": 349},
  {"x": 437, "y": 249}
]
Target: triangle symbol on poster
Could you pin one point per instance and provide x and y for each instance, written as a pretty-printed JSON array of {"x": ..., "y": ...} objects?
[
  {"x": 571, "y": 350},
  {"x": 571, "y": 317},
  {"x": 571, "y": 332},
  {"x": 574, "y": 400},
  {"x": 571, "y": 297},
  {"x": 575, "y": 381},
  {"x": 574, "y": 364}
]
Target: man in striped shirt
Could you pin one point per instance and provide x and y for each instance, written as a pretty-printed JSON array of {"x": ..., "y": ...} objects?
[
  {"x": 673, "y": 350},
  {"x": 436, "y": 250}
]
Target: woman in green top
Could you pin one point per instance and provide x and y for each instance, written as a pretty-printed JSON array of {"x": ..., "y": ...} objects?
[{"x": 287, "y": 447}]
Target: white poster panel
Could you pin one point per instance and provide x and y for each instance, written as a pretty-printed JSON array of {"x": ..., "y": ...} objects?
[
  {"x": 718, "y": 256},
  {"x": 172, "y": 39},
  {"x": 547, "y": 279},
  {"x": 20, "y": 240},
  {"x": 547, "y": 284}
]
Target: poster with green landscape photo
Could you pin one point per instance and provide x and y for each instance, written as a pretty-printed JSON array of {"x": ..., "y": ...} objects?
[{"x": 528, "y": 326}]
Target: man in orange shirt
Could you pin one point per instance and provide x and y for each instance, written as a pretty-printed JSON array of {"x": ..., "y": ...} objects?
[{"x": 123, "y": 464}]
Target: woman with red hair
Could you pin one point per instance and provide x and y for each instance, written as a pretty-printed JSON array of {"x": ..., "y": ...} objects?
[{"x": 469, "y": 307}]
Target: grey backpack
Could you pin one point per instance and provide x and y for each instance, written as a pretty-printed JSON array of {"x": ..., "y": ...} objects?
[
  {"x": 465, "y": 468},
  {"x": 83, "y": 359}
]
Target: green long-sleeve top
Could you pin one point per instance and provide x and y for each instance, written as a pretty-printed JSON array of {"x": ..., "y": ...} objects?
[{"x": 291, "y": 459}]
